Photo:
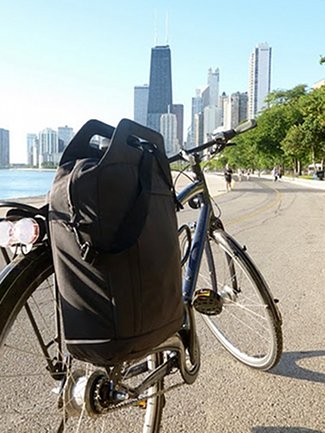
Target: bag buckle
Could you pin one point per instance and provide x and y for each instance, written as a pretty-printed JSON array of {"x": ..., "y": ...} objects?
[{"x": 88, "y": 253}]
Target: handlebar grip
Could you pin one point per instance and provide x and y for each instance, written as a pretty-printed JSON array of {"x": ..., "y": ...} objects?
[
  {"x": 243, "y": 127},
  {"x": 246, "y": 126},
  {"x": 221, "y": 137}
]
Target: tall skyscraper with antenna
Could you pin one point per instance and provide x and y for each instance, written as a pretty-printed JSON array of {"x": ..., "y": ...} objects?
[{"x": 160, "y": 85}]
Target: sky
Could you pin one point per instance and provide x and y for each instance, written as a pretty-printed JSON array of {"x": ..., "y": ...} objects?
[{"x": 63, "y": 62}]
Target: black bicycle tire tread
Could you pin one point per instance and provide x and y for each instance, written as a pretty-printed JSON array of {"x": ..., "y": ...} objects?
[{"x": 15, "y": 277}]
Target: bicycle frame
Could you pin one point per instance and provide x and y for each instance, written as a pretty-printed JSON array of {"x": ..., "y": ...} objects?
[{"x": 198, "y": 189}]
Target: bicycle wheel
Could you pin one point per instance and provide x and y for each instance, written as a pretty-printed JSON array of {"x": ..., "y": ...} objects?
[
  {"x": 249, "y": 325},
  {"x": 30, "y": 398}
]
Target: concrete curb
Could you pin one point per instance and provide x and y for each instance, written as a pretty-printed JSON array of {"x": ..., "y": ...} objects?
[{"x": 318, "y": 184}]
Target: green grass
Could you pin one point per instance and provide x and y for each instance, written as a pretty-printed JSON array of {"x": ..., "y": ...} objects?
[{"x": 306, "y": 176}]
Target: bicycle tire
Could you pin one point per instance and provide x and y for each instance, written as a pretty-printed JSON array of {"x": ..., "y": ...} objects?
[
  {"x": 27, "y": 402},
  {"x": 249, "y": 325}
]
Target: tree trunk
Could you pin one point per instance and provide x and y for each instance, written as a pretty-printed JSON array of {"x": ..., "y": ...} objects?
[{"x": 313, "y": 154}]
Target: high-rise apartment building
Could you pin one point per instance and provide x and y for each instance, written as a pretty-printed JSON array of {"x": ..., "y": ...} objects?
[
  {"x": 211, "y": 120},
  {"x": 259, "y": 78},
  {"x": 32, "y": 149},
  {"x": 222, "y": 102},
  {"x": 235, "y": 109},
  {"x": 198, "y": 129},
  {"x": 48, "y": 146},
  {"x": 178, "y": 110},
  {"x": 160, "y": 85},
  {"x": 4, "y": 148},
  {"x": 141, "y": 96},
  {"x": 206, "y": 103},
  {"x": 65, "y": 135},
  {"x": 213, "y": 83},
  {"x": 242, "y": 106},
  {"x": 168, "y": 128}
]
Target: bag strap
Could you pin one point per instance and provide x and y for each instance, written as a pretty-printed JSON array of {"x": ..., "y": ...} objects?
[
  {"x": 134, "y": 221},
  {"x": 127, "y": 135}
]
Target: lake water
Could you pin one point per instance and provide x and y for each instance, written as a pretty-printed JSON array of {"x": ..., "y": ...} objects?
[{"x": 25, "y": 183}]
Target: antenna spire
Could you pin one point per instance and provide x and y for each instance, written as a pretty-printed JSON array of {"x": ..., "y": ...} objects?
[
  {"x": 156, "y": 30},
  {"x": 167, "y": 41}
]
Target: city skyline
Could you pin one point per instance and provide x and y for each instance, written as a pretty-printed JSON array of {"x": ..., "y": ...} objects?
[
  {"x": 47, "y": 146},
  {"x": 65, "y": 73}
]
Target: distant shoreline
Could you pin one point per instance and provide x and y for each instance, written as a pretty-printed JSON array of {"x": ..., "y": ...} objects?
[{"x": 27, "y": 169}]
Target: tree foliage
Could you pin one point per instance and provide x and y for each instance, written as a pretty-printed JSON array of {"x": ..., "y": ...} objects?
[{"x": 291, "y": 129}]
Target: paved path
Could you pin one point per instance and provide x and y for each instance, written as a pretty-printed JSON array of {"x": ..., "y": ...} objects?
[{"x": 283, "y": 226}]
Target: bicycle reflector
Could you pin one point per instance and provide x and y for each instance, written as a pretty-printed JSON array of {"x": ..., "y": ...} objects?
[{"x": 24, "y": 231}]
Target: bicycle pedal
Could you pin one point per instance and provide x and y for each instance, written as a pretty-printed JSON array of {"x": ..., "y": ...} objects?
[
  {"x": 208, "y": 302},
  {"x": 142, "y": 404}
]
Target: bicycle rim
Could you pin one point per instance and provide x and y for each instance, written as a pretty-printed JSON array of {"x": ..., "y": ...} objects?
[
  {"x": 29, "y": 395},
  {"x": 249, "y": 325}
]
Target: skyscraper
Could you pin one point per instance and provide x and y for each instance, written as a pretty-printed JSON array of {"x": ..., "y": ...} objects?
[
  {"x": 65, "y": 135},
  {"x": 259, "y": 78},
  {"x": 4, "y": 148},
  {"x": 48, "y": 146},
  {"x": 178, "y": 110},
  {"x": 160, "y": 85},
  {"x": 213, "y": 83},
  {"x": 141, "y": 94},
  {"x": 206, "y": 102},
  {"x": 168, "y": 128},
  {"x": 235, "y": 109},
  {"x": 32, "y": 149}
]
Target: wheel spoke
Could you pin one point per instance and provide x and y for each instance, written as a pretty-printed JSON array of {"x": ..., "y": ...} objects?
[
  {"x": 31, "y": 319},
  {"x": 246, "y": 326}
]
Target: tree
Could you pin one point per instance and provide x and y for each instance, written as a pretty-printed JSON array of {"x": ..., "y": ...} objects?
[
  {"x": 312, "y": 106},
  {"x": 290, "y": 96},
  {"x": 290, "y": 131},
  {"x": 294, "y": 146}
]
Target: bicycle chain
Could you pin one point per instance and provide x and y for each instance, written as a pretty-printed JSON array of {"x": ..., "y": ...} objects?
[{"x": 132, "y": 402}]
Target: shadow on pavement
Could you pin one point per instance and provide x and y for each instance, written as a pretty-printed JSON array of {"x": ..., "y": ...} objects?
[
  {"x": 283, "y": 430},
  {"x": 290, "y": 365}
]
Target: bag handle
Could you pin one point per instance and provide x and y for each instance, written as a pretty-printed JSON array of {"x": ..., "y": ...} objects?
[
  {"x": 120, "y": 150},
  {"x": 79, "y": 147}
]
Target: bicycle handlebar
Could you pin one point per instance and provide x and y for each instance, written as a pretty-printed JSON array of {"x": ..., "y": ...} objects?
[{"x": 220, "y": 138}]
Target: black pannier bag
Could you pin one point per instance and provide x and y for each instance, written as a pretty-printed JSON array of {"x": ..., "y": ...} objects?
[{"x": 113, "y": 234}]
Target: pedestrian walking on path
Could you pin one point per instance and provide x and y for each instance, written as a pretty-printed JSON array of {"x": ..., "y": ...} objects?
[
  {"x": 275, "y": 174},
  {"x": 228, "y": 177}
]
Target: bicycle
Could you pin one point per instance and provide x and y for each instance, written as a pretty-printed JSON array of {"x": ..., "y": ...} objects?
[{"x": 57, "y": 393}]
